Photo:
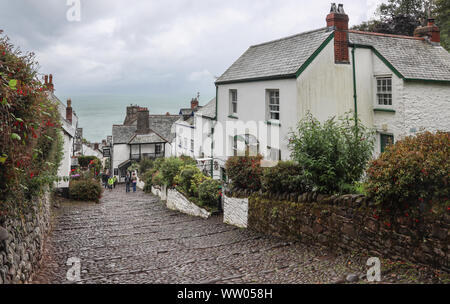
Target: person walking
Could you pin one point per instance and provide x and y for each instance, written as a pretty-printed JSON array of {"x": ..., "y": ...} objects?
[
  {"x": 115, "y": 181},
  {"x": 134, "y": 181},
  {"x": 127, "y": 182},
  {"x": 105, "y": 180},
  {"x": 110, "y": 183}
]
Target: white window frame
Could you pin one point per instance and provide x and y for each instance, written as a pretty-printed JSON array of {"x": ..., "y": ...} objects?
[
  {"x": 233, "y": 102},
  {"x": 272, "y": 106},
  {"x": 384, "y": 92}
]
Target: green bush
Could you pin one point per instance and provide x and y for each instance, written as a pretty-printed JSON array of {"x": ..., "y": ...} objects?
[
  {"x": 169, "y": 169},
  {"x": 413, "y": 175},
  {"x": 333, "y": 154},
  {"x": 85, "y": 190},
  {"x": 185, "y": 178},
  {"x": 188, "y": 161},
  {"x": 157, "y": 179},
  {"x": 245, "y": 172},
  {"x": 286, "y": 177},
  {"x": 147, "y": 177},
  {"x": 85, "y": 161},
  {"x": 209, "y": 192},
  {"x": 145, "y": 165}
]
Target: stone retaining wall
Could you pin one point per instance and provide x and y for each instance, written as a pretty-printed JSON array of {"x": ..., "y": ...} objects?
[
  {"x": 348, "y": 223},
  {"x": 235, "y": 211},
  {"x": 21, "y": 252},
  {"x": 177, "y": 201}
]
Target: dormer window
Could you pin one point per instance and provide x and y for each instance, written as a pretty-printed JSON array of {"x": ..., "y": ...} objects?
[{"x": 384, "y": 91}]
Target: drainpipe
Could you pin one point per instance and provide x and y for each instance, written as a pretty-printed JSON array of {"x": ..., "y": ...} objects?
[
  {"x": 212, "y": 136},
  {"x": 355, "y": 96}
]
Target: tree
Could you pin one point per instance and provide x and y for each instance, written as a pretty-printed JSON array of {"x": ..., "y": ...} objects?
[
  {"x": 442, "y": 15},
  {"x": 402, "y": 17}
]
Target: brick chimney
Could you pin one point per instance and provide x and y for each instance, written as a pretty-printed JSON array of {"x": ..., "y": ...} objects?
[
  {"x": 143, "y": 125},
  {"x": 337, "y": 21},
  {"x": 194, "y": 103},
  {"x": 69, "y": 111},
  {"x": 430, "y": 32}
]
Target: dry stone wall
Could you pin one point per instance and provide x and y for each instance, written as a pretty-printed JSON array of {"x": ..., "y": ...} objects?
[
  {"x": 348, "y": 223},
  {"x": 21, "y": 243}
]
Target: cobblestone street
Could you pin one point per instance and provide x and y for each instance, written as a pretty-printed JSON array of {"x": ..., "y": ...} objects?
[{"x": 134, "y": 238}]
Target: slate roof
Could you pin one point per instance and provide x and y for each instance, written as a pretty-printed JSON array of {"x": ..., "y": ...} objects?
[
  {"x": 162, "y": 125},
  {"x": 146, "y": 138},
  {"x": 122, "y": 134},
  {"x": 208, "y": 110},
  {"x": 159, "y": 124},
  {"x": 282, "y": 57},
  {"x": 413, "y": 58}
]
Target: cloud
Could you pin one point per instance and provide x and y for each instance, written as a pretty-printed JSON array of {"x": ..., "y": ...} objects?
[{"x": 159, "y": 48}]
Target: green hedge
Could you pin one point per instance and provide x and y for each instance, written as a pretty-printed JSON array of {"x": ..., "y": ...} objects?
[
  {"x": 85, "y": 190},
  {"x": 413, "y": 175}
]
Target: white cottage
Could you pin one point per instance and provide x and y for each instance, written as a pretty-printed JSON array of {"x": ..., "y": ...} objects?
[
  {"x": 141, "y": 136},
  {"x": 184, "y": 131},
  {"x": 398, "y": 85},
  {"x": 69, "y": 124}
]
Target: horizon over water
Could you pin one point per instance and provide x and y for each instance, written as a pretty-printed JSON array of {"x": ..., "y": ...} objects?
[{"x": 98, "y": 113}]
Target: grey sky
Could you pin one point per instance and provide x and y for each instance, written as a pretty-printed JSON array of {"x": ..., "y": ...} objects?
[{"x": 158, "y": 48}]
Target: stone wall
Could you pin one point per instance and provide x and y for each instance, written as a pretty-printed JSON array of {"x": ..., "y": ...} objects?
[
  {"x": 21, "y": 252},
  {"x": 177, "y": 201},
  {"x": 235, "y": 211},
  {"x": 348, "y": 223}
]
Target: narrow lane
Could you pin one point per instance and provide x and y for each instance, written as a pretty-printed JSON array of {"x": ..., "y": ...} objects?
[{"x": 134, "y": 238}]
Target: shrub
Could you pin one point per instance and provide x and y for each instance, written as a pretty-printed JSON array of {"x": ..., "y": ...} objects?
[
  {"x": 209, "y": 192},
  {"x": 148, "y": 180},
  {"x": 85, "y": 190},
  {"x": 157, "y": 179},
  {"x": 245, "y": 172},
  {"x": 333, "y": 154},
  {"x": 169, "y": 169},
  {"x": 286, "y": 177},
  {"x": 145, "y": 165},
  {"x": 85, "y": 161},
  {"x": 185, "y": 177},
  {"x": 412, "y": 175},
  {"x": 30, "y": 134},
  {"x": 197, "y": 180},
  {"x": 188, "y": 161}
]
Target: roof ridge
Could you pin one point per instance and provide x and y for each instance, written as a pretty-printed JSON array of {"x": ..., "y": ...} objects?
[
  {"x": 385, "y": 35},
  {"x": 288, "y": 37}
]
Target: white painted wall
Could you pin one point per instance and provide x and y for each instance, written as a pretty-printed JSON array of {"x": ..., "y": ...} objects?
[
  {"x": 252, "y": 113},
  {"x": 65, "y": 167},
  {"x": 121, "y": 153},
  {"x": 184, "y": 135}
]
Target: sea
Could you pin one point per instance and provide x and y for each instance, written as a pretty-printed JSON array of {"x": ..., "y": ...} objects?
[{"x": 98, "y": 113}]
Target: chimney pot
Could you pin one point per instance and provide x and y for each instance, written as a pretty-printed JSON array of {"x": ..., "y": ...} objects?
[
  {"x": 430, "y": 31},
  {"x": 69, "y": 111},
  {"x": 194, "y": 103},
  {"x": 337, "y": 20}
]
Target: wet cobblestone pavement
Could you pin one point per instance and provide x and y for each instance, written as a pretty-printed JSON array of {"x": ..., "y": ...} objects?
[{"x": 134, "y": 238}]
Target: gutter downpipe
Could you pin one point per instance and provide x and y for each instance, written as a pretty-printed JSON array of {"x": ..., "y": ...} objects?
[
  {"x": 355, "y": 96},
  {"x": 212, "y": 136}
]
